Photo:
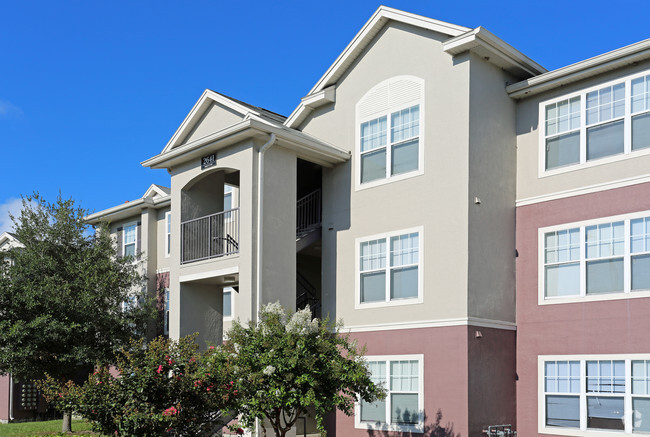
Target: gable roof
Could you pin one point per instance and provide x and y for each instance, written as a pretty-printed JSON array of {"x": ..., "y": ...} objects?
[
  {"x": 461, "y": 39},
  {"x": 9, "y": 239},
  {"x": 156, "y": 191},
  {"x": 132, "y": 208},
  {"x": 205, "y": 102}
]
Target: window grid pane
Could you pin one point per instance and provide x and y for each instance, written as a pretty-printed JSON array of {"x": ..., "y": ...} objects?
[
  {"x": 404, "y": 249},
  {"x": 640, "y": 98},
  {"x": 563, "y": 116},
  {"x": 129, "y": 234},
  {"x": 606, "y": 376},
  {"x": 373, "y": 255},
  {"x": 405, "y": 124},
  {"x": 605, "y": 240},
  {"x": 606, "y": 104},
  {"x": 373, "y": 134},
  {"x": 562, "y": 376}
]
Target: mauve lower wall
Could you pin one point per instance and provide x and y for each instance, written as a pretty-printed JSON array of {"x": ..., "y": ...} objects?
[
  {"x": 4, "y": 397},
  {"x": 606, "y": 327},
  {"x": 445, "y": 376}
]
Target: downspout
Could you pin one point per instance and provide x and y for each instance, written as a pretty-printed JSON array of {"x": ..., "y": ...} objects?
[
  {"x": 11, "y": 397},
  {"x": 260, "y": 205}
]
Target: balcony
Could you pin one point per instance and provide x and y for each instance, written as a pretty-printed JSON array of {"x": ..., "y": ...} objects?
[{"x": 208, "y": 237}]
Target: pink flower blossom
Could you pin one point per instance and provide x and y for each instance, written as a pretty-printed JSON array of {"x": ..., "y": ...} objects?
[
  {"x": 159, "y": 369},
  {"x": 171, "y": 411}
]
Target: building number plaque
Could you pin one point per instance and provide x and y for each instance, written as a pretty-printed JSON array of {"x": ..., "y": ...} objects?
[{"x": 208, "y": 161}]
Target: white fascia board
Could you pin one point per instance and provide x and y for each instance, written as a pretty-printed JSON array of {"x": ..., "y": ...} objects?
[
  {"x": 204, "y": 102},
  {"x": 308, "y": 147},
  {"x": 378, "y": 20},
  {"x": 152, "y": 191},
  {"x": 509, "y": 56},
  {"x": 126, "y": 210},
  {"x": 9, "y": 240},
  {"x": 328, "y": 95},
  {"x": 581, "y": 70}
]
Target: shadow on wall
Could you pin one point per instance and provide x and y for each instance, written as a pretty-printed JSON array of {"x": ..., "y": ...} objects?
[{"x": 432, "y": 429}]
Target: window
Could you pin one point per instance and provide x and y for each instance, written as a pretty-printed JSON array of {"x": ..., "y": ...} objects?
[
  {"x": 166, "y": 313},
  {"x": 389, "y": 134},
  {"x": 402, "y": 409},
  {"x": 388, "y": 268},
  {"x": 129, "y": 237},
  {"x": 227, "y": 198},
  {"x": 605, "y": 121},
  {"x": 595, "y": 393},
  {"x": 605, "y": 258},
  {"x": 168, "y": 233},
  {"x": 227, "y": 302},
  {"x": 384, "y": 155}
]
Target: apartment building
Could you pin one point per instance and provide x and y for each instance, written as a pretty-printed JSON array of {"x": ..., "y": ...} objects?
[
  {"x": 478, "y": 222},
  {"x": 583, "y": 307}
]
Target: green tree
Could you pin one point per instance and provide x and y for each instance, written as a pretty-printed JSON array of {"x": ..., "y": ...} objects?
[
  {"x": 62, "y": 295},
  {"x": 290, "y": 364},
  {"x": 160, "y": 389}
]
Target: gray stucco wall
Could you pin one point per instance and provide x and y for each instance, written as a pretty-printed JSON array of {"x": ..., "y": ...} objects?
[
  {"x": 491, "y": 225},
  {"x": 435, "y": 200},
  {"x": 217, "y": 117}
]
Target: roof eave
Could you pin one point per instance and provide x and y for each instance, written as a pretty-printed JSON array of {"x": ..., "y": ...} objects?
[
  {"x": 306, "y": 146},
  {"x": 128, "y": 209},
  {"x": 581, "y": 70},
  {"x": 500, "y": 52}
]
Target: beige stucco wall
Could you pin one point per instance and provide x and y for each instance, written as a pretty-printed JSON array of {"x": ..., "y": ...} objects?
[
  {"x": 529, "y": 184},
  {"x": 241, "y": 158},
  {"x": 436, "y": 200},
  {"x": 162, "y": 260},
  {"x": 491, "y": 225},
  {"x": 217, "y": 117}
]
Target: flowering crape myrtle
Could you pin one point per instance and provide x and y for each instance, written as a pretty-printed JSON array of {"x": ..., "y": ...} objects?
[
  {"x": 290, "y": 364},
  {"x": 158, "y": 389}
]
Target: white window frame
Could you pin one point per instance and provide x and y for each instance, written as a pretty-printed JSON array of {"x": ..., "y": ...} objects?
[
  {"x": 387, "y": 113},
  {"x": 583, "y": 297},
  {"x": 166, "y": 310},
  {"x": 627, "y": 128},
  {"x": 135, "y": 243},
  {"x": 388, "y": 302},
  {"x": 419, "y": 427},
  {"x": 168, "y": 233},
  {"x": 583, "y": 431},
  {"x": 232, "y": 292}
]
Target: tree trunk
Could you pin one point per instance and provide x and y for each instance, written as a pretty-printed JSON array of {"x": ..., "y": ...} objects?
[{"x": 67, "y": 422}]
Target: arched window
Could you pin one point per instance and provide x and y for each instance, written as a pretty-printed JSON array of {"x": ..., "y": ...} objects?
[{"x": 390, "y": 132}]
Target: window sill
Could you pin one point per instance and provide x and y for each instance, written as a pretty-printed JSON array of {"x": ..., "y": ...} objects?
[
  {"x": 586, "y": 433},
  {"x": 593, "y": 298},
  {"x": 419, "y": 428},
  {"x": 596, "y": 162},
  {"x": 383, "y": 304},
  {"x": 378, "y": 182}
]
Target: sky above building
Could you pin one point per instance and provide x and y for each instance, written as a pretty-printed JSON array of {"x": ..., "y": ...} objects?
[{"x": 89, "y": 89}]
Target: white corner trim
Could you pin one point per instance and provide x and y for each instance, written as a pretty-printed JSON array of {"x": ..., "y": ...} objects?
[
  {"x": 210, "y": 274},
  {"x": 461, "y": 321},
  {"x": 584, "y": 190},
  {"x": 163, "y": 270}
]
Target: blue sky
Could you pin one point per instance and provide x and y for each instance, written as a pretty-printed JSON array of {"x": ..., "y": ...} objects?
[{"x": 89, "y": 89}]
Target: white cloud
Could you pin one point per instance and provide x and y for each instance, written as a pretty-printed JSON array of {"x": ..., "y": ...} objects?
[
  {"x": 12, "y": 206},
  {"x": 8, "y": 109}
]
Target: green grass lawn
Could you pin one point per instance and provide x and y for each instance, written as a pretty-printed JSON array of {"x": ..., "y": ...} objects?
[{"x": 47, "y": 428}]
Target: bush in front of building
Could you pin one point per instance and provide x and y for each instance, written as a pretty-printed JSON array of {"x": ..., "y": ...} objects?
[{"x": 157, "y": 389}]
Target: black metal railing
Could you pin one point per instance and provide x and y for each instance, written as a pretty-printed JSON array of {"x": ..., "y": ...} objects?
[
  {"x": 211, "y": 236},
  {"x": 308, "y": 212}
]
